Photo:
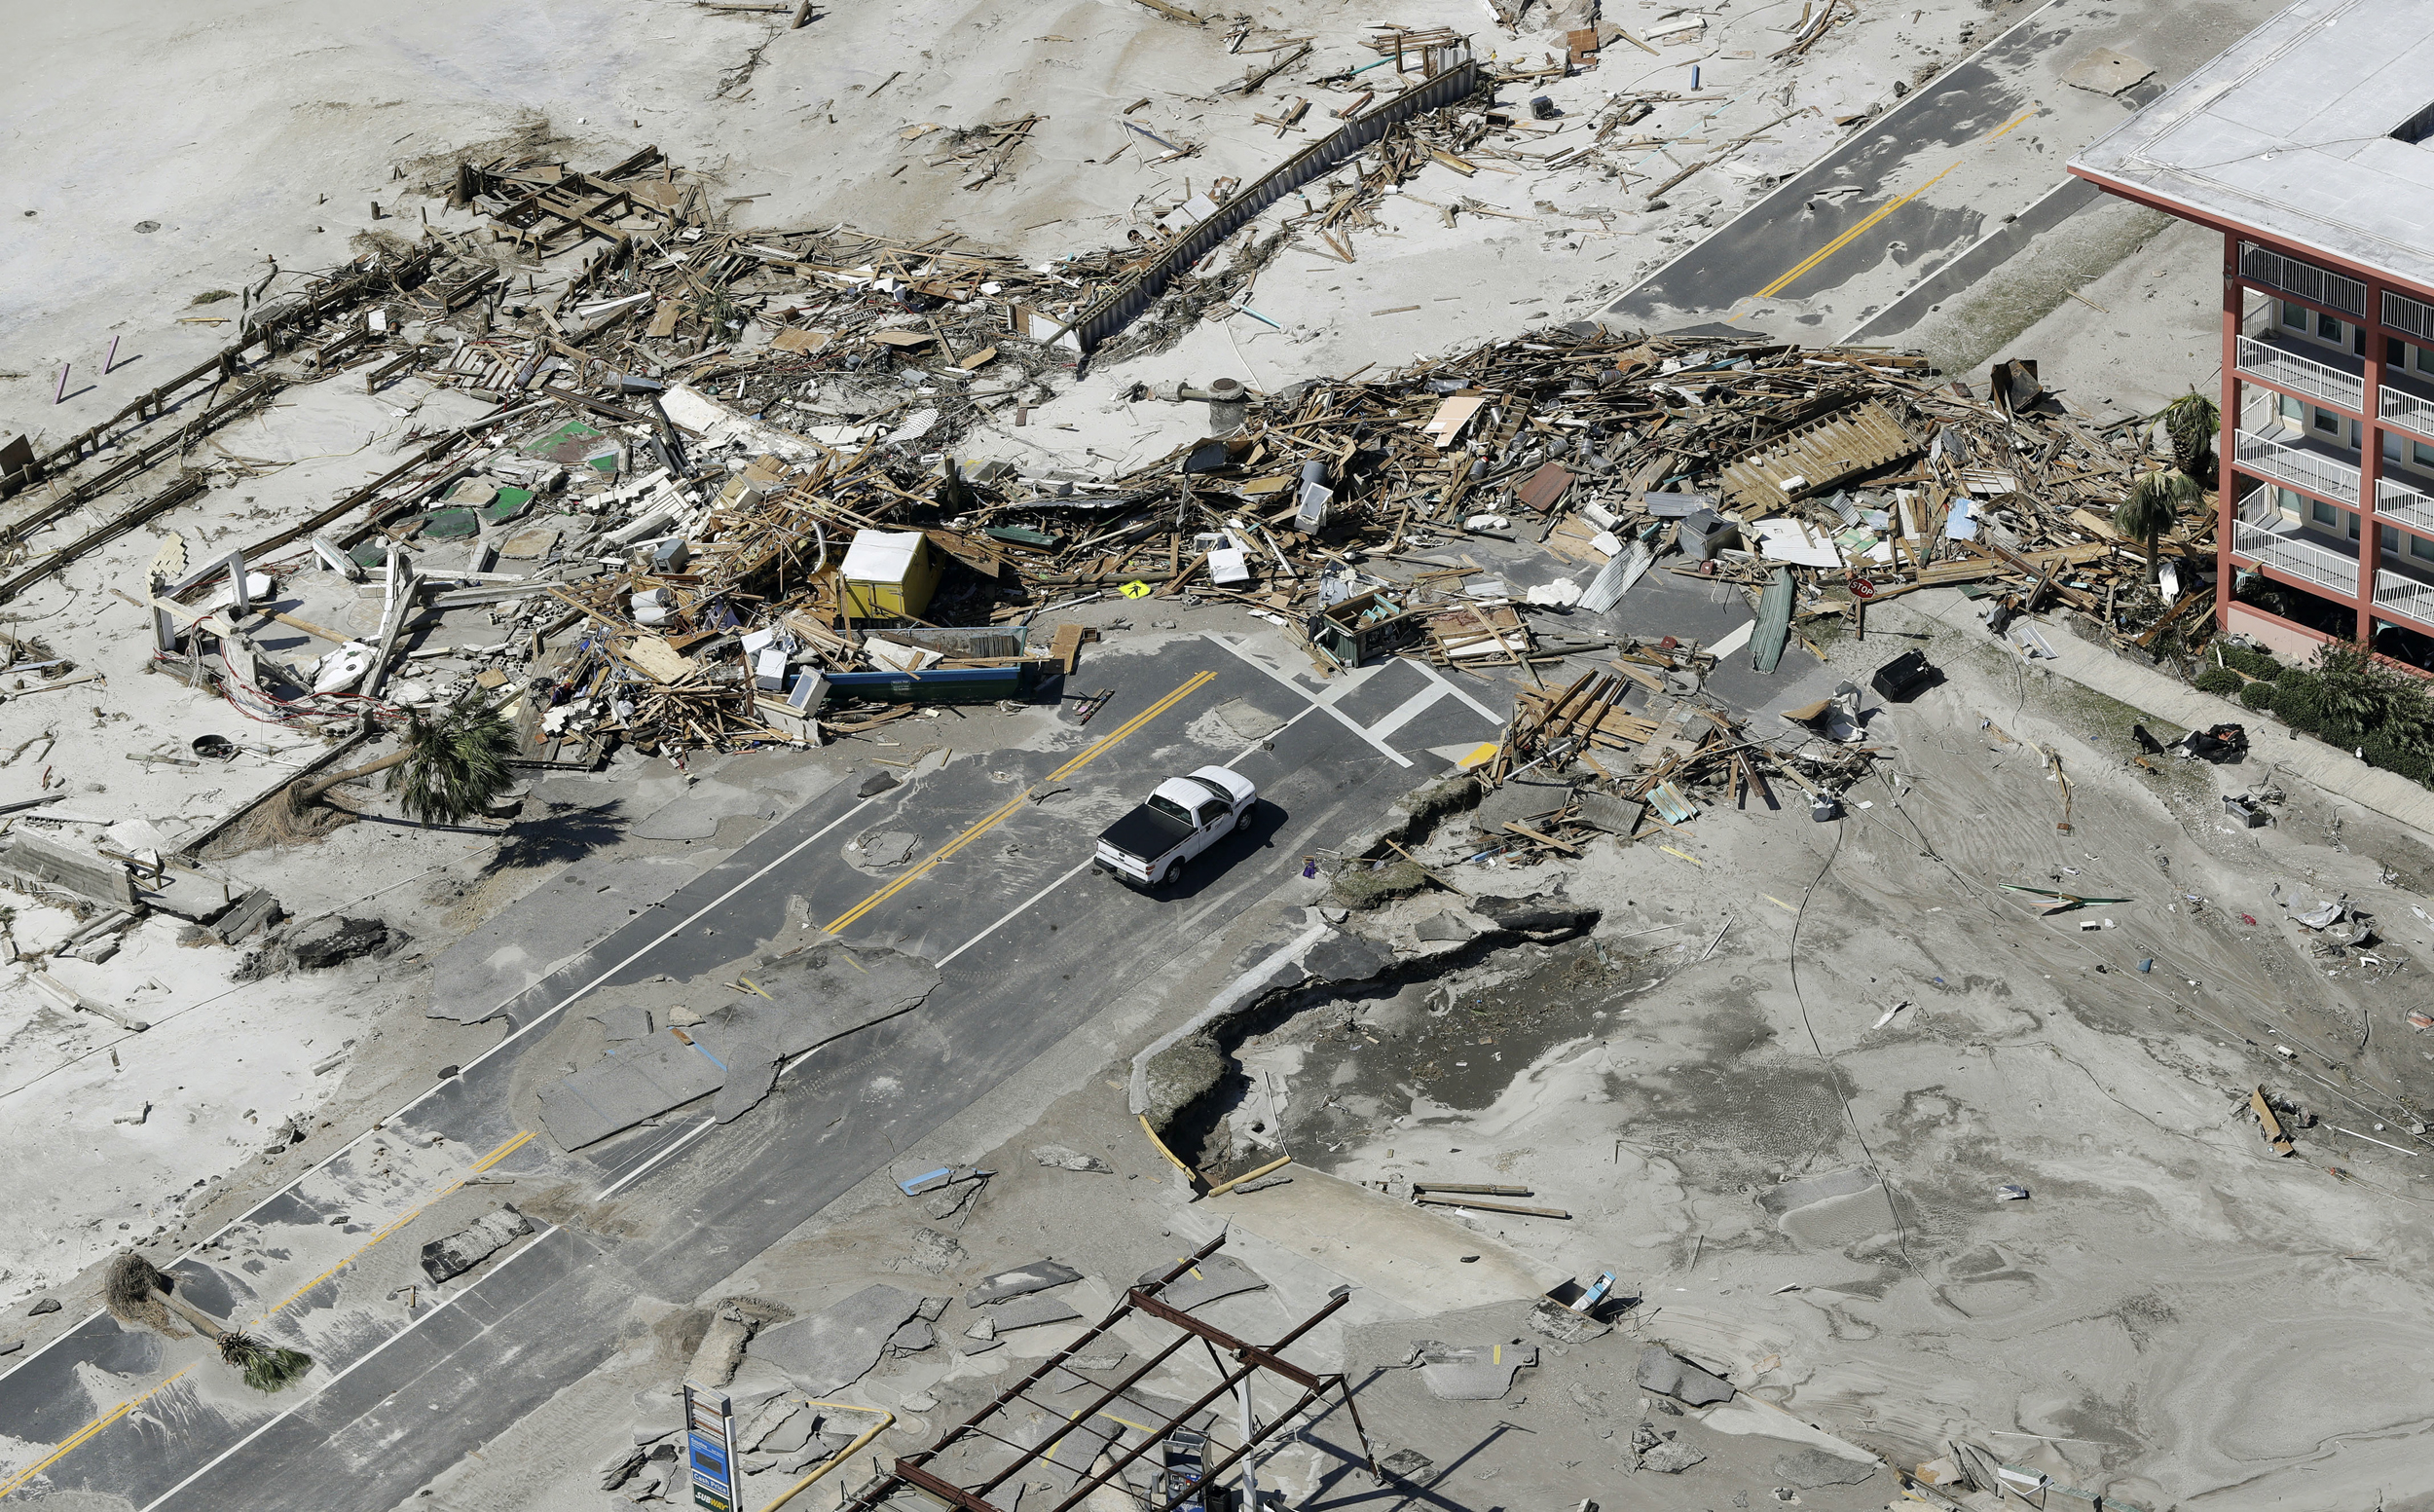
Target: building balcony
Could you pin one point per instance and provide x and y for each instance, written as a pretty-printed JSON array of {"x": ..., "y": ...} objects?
[
  {"x": 2402, "y": 504},
  {"x": 2407, "y": 404},
  {"x": 2401, "y": 593},
  {"x": 2264, "y": 535},
  {"x": 2298, "y": 462},
  {"x": 2293, "y": 367}
]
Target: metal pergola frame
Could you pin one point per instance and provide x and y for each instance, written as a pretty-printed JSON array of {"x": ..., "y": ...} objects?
[{"x": 1250, "y": 1359}]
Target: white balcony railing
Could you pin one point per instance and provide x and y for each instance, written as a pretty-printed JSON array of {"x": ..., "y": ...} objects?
[
  {"x": 2398, "y": 595},
  {"x": 2413, "y": 507},
  {"x": 2279, "y": 367},
  {"x": 2319, "y": 474},
  {"x": 2279, "y": 546},
  {"x": 2407, "y": 411}
]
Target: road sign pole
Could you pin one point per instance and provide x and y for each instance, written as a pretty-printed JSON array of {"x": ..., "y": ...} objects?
[{"x": 710, "y": 1448}]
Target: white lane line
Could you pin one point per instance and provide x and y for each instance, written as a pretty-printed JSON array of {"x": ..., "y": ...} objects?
[
  {"x": 672, "y": 931},
  {"x": 1765, "y": 202},
  {"x": 315, "y": 1168},
  {"x": 1262, "y": 744},
  {"x": 1734, "y": 639},
  {"x": 342, "y": 1374},
  {"x": 1455, "y": 688},
  {"x": 1407, "y": 711},
  {"x": 1012, "y": 913},
  {"x": 1299, "y": 692},
  {"x": 1352, "y": 682},
  {"x": 687, "y": 1138}
]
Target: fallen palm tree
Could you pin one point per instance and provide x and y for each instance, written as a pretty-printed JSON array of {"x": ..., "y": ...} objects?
[{"x": 136, "y": 1292}]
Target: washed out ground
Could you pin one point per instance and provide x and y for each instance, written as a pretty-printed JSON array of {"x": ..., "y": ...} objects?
[
  {"x": 803, "y": 128},
  {"x": 2157, "y": 1318},
  {"x": 1780, "y": 1088}
]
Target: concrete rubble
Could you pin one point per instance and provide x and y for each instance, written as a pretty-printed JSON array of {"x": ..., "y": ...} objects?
[{"x": 1822, "y": 1034}]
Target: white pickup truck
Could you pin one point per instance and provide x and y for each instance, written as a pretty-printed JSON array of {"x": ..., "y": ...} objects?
[{"x": 1184, "y": 817}]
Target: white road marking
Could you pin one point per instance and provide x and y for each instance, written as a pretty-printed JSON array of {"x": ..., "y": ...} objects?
[
  {"x": 683, "y": 1139},
  {"x": 1303, "y": 694},
  {"x": 1407, "y": 711},
  {"x": 317, "y": 1167},
  {"x": 1266, "y": 741},
  {"x": 342, "y": 1374},
  {"x": 1339, "y": 689},
  {"x": 1455, "y": 688},
  {"x": 1009, "y": 916}
]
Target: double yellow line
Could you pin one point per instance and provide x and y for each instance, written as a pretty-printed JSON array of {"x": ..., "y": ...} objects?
[
  {"x": 1878, "y": 214},
  {"x": 402, "y": 1218},
  {"x": 76, "y": 1439},
  {"x": 1012, "y": 805}
]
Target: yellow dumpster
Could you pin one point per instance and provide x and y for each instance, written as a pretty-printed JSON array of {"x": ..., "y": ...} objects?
[{"x": 889, "y": 574}]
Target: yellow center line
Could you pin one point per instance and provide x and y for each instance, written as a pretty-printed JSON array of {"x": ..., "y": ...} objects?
[
  {"x": 1845, "y": 240},
  {"x": 502, "y": 1151},
  {"x": 1012, "y": 805},
  {"x": 400, "y": 1221},
  {"x": 77, "y": 1438},
  {"x": 1879, "y": 213}
]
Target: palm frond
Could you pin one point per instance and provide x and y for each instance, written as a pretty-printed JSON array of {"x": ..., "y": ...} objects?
[
  {"x": 2190, "y": 423},
  {"x": 456, "y": 762},
  {"x": 266, "y": 1366},
  {"x": 2156, "y": 500}
]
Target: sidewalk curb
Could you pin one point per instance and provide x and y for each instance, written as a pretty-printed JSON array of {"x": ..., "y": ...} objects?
[{"x": 2327, "y": 768}]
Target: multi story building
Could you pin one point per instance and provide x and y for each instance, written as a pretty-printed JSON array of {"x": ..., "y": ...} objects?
[{"x": 2309, "y": 146}]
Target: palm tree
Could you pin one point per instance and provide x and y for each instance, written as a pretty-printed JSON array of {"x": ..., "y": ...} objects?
[
  {"x": 135, "y": 1291},
  {"x": 452, "y": 766},
  {"x": 2156, "y": 501},
  {"x": 2191, "y": 423}
]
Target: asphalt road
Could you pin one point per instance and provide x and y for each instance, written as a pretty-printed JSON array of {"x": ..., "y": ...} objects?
[
  {"x": 1029, "y": 944},
  {"x": 1952, "y": 180}
]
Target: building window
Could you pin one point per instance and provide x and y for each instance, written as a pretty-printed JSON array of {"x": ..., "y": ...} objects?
[
  {"x": 2322, "y": 513},
  {"x": 2287, "y": 408},
  {"x": 2295, "y": 315},
  {"x": 2327, "y": 420},
  {"x": 2421, "y": 358},
  {"x": 2328, "y": 326},
  {"x": 2421, "y": 548}
]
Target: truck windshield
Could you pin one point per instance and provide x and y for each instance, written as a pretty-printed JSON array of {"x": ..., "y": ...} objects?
[{"x": 1171, "y": 809}]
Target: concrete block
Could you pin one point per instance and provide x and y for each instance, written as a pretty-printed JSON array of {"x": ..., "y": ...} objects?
[
  {"x": 1663, "y": 1371},
  {"x": 1030, "y": 1312},
  {"x": 70, "y": 869},
  {"x": 467, "y": 1247},
  {"x": 833, "y": 1349},
  {"x": 1037, "y": 1277},
  {"x": 1218, "y": 1275},
  {"x": 1470, "y": 1373}
]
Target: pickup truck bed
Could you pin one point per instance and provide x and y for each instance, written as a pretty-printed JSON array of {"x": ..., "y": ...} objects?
[
  {"x": 1182, "y": 818},
  {"x": 1146, "y": 832}
]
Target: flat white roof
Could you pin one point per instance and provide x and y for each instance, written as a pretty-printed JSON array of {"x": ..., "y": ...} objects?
[{"x": 2291, "y": 132}]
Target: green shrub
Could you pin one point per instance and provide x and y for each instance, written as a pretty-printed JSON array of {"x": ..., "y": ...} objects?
[
  {"x": 2393, "y": 754},
  {"x": 2257, "y": 695},
  {"x": 2219, "y": 679},
  {"x": 2354, "y": 691},
  {"x": 2248, "y": 659},
  {"x": 2290, "y": 674},
  {"x": 2297, "y": 704}
]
